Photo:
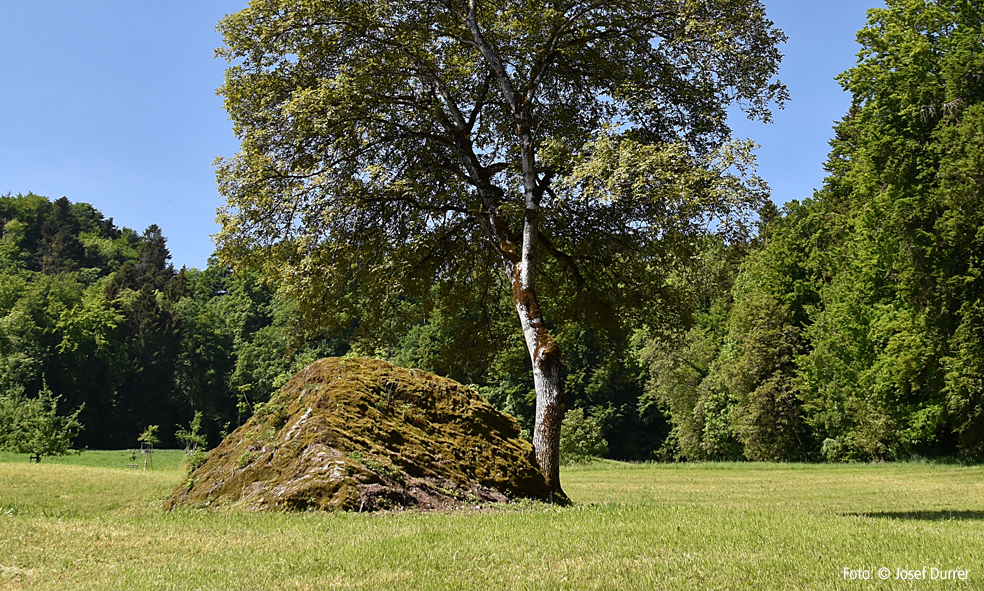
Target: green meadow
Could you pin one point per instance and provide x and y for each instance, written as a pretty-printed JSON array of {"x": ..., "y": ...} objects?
[{"x": 89, "y": 522}]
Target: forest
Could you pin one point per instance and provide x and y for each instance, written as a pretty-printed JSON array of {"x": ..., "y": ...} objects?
[
  {"x": 98, "y": 315},
  {"x": 849, "y": 326}
]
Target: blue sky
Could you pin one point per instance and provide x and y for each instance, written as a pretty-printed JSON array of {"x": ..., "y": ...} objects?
[{"x": 112, "y": 102}]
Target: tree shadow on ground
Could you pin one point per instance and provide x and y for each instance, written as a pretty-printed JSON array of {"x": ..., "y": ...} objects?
[{"x": 925, "y": 515}]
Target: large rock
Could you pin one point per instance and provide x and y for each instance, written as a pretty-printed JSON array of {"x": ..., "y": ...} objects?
[{"x": 361, "y": 434}]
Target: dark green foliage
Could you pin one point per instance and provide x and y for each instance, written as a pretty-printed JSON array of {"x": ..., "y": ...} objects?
[
  {"x": 685, "y": 364},
  {"x": 206, "y": 357},
  {"x": 855, "y": 329},
  {"x": 21, "y": 219},
  {"x": 580, "y": 438},
  {"x": 758, "y": 371},
  {"x": 61, "y": 250},
  {"x": 902, "y": 278},
  {"x": 958, "y": 273},
  {"x": 476, "y": 345},
  {"x": 686, "y": 384},
  {"x": 139, "y": 344},
  {"x": 55, "y": 237},
  {"x": 122, "y": 335}
]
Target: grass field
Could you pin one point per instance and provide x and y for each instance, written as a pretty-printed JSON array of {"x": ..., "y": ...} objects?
[{"x": 88, "y": 522}]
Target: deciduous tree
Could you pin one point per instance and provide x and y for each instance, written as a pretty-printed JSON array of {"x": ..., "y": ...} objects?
[
  {"x": 386, "y": 145},
  {"x": 33, "y": 425}
]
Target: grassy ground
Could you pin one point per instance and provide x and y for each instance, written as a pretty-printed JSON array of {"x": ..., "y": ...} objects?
[
  {"x": 69, "y": 525},
  {"x": 163, "y": 460}
]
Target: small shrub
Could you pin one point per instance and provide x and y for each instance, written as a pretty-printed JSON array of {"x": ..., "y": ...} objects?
[
  {"x": 245, "y": 459},
  {"x": 832, "y": 450},
  {"x": 580, "y": 438},
  {"x": 194, "y": 459},
  {"x": 192, "y": 437}
]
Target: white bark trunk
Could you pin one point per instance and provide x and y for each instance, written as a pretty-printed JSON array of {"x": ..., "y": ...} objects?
[
  {"x": 520, "y": 268},
  {"x": 547, "y": 360},
  {"x": 549, "y": 401}
]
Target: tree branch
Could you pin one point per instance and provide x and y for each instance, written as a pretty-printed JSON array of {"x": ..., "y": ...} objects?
[
  {"x": 491, "y": 58},
  {"x": 569, "y": 261},
  {"x": 479, "y": 103}
]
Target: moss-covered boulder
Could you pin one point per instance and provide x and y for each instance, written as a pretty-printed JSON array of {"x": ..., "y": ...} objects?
[{"x": 362, "y": 435}]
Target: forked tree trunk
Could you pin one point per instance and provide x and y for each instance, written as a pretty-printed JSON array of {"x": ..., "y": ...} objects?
[{"x": 520, "y": 266}]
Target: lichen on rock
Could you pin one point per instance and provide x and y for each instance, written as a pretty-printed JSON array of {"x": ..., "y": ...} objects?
[{"x": 365, "y": 435}]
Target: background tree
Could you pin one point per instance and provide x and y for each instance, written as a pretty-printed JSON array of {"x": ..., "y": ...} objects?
[
  {"x": 61, "y": 249},
  {"x": 854, "y": 331},
  {"x": 388, "y": 145},
  {"x": 887, "y": 339},
  {"x": 685, "y": 363},
  {"x": 33, "y": 426},
  {"x": 126, "y": 339}
]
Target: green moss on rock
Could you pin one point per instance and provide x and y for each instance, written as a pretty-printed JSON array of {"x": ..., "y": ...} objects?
[{"x": 363, "y": 435}]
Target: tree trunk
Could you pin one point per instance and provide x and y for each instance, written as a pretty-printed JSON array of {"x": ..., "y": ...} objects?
[
  {"x": 547, "y": 360},
  {"x": 544, "y": 351},
  {"x": 545, "y": 355},
  {"x": 521, "y": 266}
]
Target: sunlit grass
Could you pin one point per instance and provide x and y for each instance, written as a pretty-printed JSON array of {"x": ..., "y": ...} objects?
[
  {"x": 161, "y": 460},
  {"x": 700, "y": 526}
]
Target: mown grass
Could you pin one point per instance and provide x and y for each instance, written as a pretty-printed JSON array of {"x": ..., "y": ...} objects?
[
  {"x": 700, "y": 526},
  {"x": 164, "y": 460}
]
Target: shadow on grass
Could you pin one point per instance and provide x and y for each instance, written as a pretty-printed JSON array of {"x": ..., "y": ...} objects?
[{"x": 925, "y": 515}]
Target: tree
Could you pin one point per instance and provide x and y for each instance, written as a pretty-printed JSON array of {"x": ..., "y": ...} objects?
[
  {"x": 192, "y": 437},
  {"x": 759, "y": 372},
  {"x": 60, "y": 247},
  {"x": 33, "y": 425},
  {"x": 149, "y": 436},
  {"x": 389, "y": 145},
  {"x": 890, "y": 371},
  {"x": 854, "y": 328}
]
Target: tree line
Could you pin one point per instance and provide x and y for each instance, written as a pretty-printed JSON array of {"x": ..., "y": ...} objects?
[
  {"x": 850, "y": 326},
  {"x": 98, "y": 317},
  {"x": 853, "y": 329}
]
